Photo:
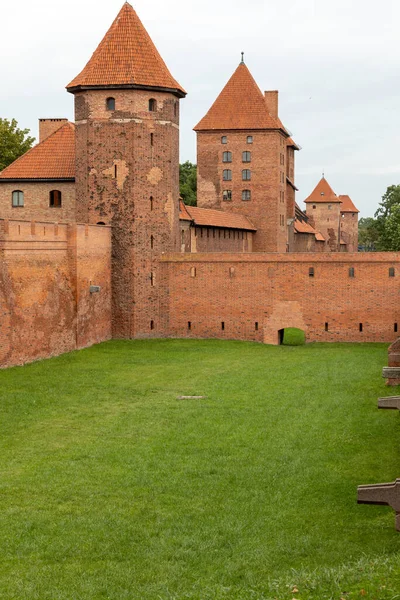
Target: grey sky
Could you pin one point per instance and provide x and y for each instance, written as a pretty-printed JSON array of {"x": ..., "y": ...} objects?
[{"x": 335, "y": 64}]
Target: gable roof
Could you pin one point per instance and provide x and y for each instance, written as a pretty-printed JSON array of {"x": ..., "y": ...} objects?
[
  {"x": 302, "y": 226},
  {"x": 322, "y": 193},
  {"x": 347, "y": 205},
  {"x": 240, "y": 105},
  {"x": 209, "y": 217},
  {"x": 54, "y": 158},
  {"x": 126, "y": 56}
]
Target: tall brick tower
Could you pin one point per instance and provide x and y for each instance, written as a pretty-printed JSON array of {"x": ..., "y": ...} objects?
[
  {"x": 127, "y": 164},
  {"x": 242, "y": 160},
  {"x": 349, "y": 223},
  {"x": 323, "y": 211}
]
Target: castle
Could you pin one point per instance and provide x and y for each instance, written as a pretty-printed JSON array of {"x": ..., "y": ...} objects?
[{"x": 95, "y": 242}]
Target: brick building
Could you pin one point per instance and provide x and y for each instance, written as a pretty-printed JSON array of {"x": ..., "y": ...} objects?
[{"x": 95, "y": 243}]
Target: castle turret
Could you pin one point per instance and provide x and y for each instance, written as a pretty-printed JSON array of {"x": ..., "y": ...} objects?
[
  {"x": 349, "y": 223},
  {"x": 127, "y": 164},
  {"x": 323, "y": 212},
  {"x": 241, "y": 160}
]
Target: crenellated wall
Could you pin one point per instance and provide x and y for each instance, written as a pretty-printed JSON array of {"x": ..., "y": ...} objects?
[
  {"x": 46, "y": 305},
  {"x": 332, "y": 297}
]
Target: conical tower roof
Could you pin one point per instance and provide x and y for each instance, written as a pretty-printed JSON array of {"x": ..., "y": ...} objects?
[
  {"x": 323, "y": 193},
  {"x": 240, "y": 105},
  {"x": 126, "y": 57}
]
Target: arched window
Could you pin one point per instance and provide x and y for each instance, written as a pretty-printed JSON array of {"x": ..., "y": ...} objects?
[
  {"x": 227, "y": 175},
  {"x": 110, "y": 104},
  {"x": 227, "y": 157},
  {"x": 246, "y": 195},
  {"x": 55, "y": 198},
  {"x": 152, "y": 105},
  {"x": 224, "y": 139},
  {"x": 18, "y": 198},
  {"x": 246, "y": 175},
  {"x": 246, "y": 156}
]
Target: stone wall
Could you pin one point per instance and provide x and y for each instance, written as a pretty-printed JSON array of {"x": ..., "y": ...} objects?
[{"x": 46, "y": 305}]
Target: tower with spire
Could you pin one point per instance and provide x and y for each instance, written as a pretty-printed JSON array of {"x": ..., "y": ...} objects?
[
  {"x": 244, "y": 160},
  {"x": 127, "y": 164}
]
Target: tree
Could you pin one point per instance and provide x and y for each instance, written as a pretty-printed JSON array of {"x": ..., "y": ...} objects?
[
  {"x": 368, "y": 234},
  {"x": 13, "y": 142},
  {"x": 188, "y": 183},
  {"x": 388, "y": 220}
]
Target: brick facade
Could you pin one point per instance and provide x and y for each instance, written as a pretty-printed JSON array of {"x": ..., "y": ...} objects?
[{"x": 37, "y": 201}]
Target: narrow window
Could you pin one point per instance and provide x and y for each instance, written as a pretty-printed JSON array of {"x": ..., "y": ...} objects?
[
  {"x": 182, "y": 236},
  {"x": 201, "y": 232},
  {"x": 326, "y": 326},
  {"x": 55, "y": 198},
  {"x": 246, "y": 175},
  {"x": 391, "y": 272},
  {"x": 224, "y": 139},
  {"x": 152, "y": 242},
  {"x": 227, "y": 195},
  {"x": 351, "y": 272},
  {"x": 311, "y": 272},
  {"x": 249, "y": 139},
  {"x": 175, "y": 109},
  {"x": 18, "y": 198},
  {"x": 193, "y": 272},
  {"x": 115, "y": 171},
  {"x": 189, "y": 325},
  {"x": 360, "y": 327},
  {"x": 246, "y": 156},
  {"x": 227, "y": 175},
  {"x": 395, "y": 328},
  {"x": 223, "y": 326},
  {"x": 329, "y": 206},
  {"x": 246, "y": 194},
  {"x": 314, "y": 207},
  {"x": 151, "y": 202},
  {"x": 152, "y": 105},
  {"x": 227, "y": 157},
  {"x": 152, "y": 279},
  {"x": 152, "y": 139},
  {"x": 110, "y": 104},
  {"x": 256, "y": 326},
  {"x": 151, "y": 325},
  {"x": 208, "y": 232}
]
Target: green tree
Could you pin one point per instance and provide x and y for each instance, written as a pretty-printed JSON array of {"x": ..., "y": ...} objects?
[
  {"x": 188, "y": 182},
  {"x": 368, "y": 234},
  {"x": 13, "y": 142},
  {"x": 388, "y": 220}
]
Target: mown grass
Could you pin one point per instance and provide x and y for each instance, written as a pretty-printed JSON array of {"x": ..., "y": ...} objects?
[{"x": 113, "y": 488}]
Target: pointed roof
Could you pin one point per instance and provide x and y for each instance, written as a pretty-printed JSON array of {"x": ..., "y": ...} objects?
[
  {"x": 322, "y": 193},
  {"x": 54, "y": 158},
  {"x": 126, "y": 57},
  {"x": 240, "y": 105},
  {"x": 347, "y": 205}
]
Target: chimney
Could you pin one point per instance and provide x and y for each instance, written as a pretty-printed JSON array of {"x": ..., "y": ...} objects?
[
  {"x": 271, "y": 100},
  {"x": 49, "y": 126}
]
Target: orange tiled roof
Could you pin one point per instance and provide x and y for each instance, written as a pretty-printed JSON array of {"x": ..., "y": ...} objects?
[
  {"x": 347, "y": 205},
  {"x": 319, "y": 237},
  {"x": 240, "y": 105},
  {"x": 322, "y": 193},
  {"x": 290, "y": 142},
  {"x": 183, "y": 213},
  {"x": 303, "y": 227},
  {"x": 126, "y": 56},
  {"x": 54, "y": 158},
  {"x": 209, "y": 217}
]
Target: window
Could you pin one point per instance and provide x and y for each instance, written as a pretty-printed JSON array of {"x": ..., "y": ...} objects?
[
  {"x": 246, "y": 156},
  {"x": 151, "y": 325},
  {"x": 110, "y": 104},
  {"x": 329, "y": 206},
  {"x": 224, "y": 139},
  {"x": 227, "y": 175},
  {"x": 227, "y": 195},
  {"x": 246, "y": 194},
  {"x": 151, "y": 203},
  {"x": 18, "y": 198},
  {"x": 189, "y": 325},
  {"x": 360, "y": 327},
  {"x": 351, "y": 272},
  {"x": 152, "y": 139},
  {"x": 314, "y": 207},
  {"x": 246, "y": 175},
  {"x": 391, "y": 271},
  {"x": 326, "y": 326},
  {"x": 249, "y": 139},
  {"x": 311, "y": 272},
  {"x": 223, "y": 326},
  {"x": 256, "y": 326},
  {"x": 227, "y": 157},
  {"x": 100, "y": 223},
  {"x": 395, "y": 328},
  {"x": 152, "y": 105},
  {"x": 175, "y": 109},
  {"x": 55, "y": 198}
]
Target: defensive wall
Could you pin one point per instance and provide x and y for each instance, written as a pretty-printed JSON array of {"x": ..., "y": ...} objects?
[
  {"x": 332, "y": 297},
  {"x": 46, "y": 303}
]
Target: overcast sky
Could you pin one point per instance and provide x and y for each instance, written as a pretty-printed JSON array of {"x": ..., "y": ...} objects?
[{"x": 335, "y": 64}]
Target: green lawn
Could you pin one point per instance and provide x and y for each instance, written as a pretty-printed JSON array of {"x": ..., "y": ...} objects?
[{"x": 112, "y": 488}]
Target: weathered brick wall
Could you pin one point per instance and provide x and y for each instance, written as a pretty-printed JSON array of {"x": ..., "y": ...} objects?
[
  {"x": 256, "y": 295},
  {"x": 36, "y": 201},
  {"x": 213, "y": 239},
  {"x": 127, "y": 173},
  {"x": 325, "y": 218},
  {"x": 49, "y": 126},
  {"x": 267, "y": 208},
  {"x": 349, "y": 230},
  {"x": 44, "y": 299}
]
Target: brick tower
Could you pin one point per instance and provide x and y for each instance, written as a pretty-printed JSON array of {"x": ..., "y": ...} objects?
[
  {"x": 242, "y": 153},
  {"x": 323, "y": 211},
  {"x": 349, "y": 223},
  {"x": 127, "y": 164}
]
